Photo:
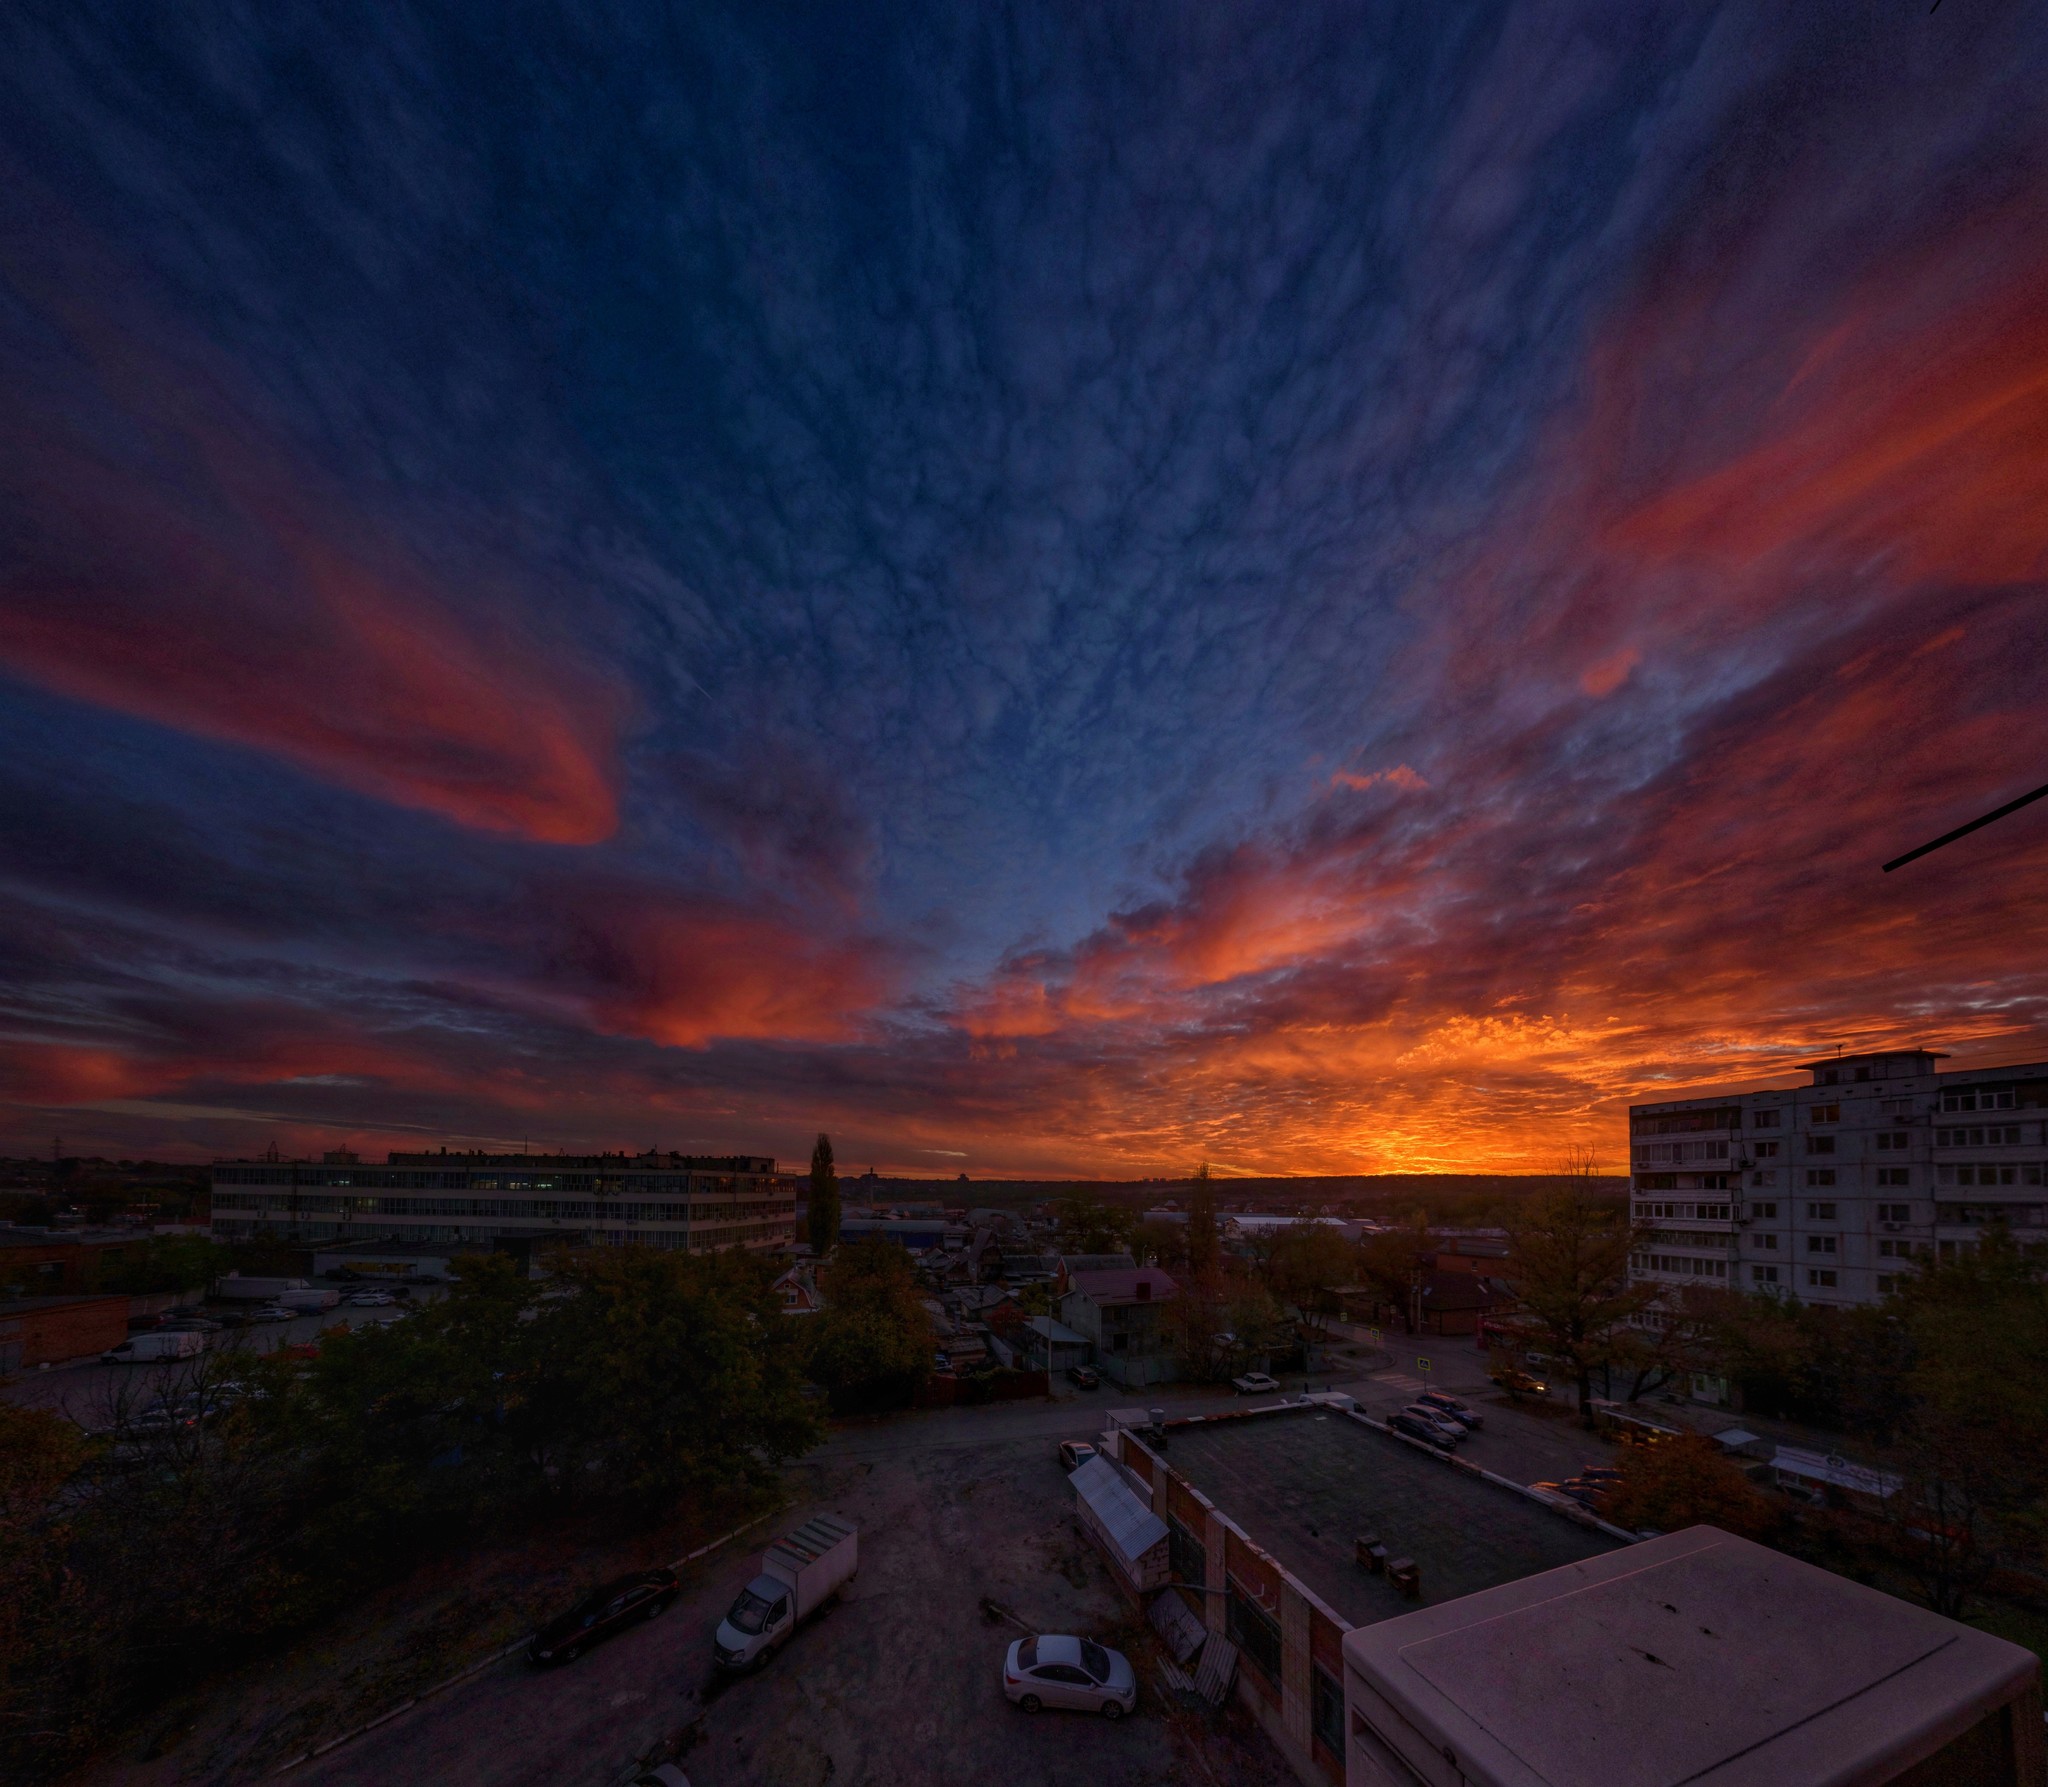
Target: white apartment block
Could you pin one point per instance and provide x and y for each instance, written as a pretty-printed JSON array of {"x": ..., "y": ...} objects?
[
  {"x": 523, "y": 1203},
  {"x": 1828, "y": 1191}
]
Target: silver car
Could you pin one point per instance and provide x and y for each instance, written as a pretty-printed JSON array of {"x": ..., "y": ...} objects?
[{"x": 1076, "y": 1672}]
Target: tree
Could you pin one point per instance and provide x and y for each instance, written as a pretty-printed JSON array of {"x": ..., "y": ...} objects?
[
  {"x": 1204, "y": 1246},
  {"x": 1088, "y": 1225},
  {"x": 1391, "y": 1264},
  {"x": 1686, "y": 1482},
  {"x": 872, "y": 1343},
  {"x": 1973, "y": 1437},
  {"x": 1307, "y": 1263},
  {"x": 822, "y": 1217},
  {"x": 1163, "y": 1244},
  {"x": 1568, "y": 1262},
  {"x": 1680, "y": 1338}
]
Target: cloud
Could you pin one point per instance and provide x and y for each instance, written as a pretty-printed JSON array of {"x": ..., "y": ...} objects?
[
  {"x": 908, "y": 502},
  {"x": 176, "y": 557}
]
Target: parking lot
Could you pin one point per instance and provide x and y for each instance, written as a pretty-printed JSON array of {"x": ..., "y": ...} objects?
[
  {"x": 84, "y": 1390},
  {"x": 900, "y": 1683}
]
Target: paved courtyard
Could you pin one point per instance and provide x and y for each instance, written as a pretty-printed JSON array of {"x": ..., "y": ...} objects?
[{"x": 1305, "y": 1485}]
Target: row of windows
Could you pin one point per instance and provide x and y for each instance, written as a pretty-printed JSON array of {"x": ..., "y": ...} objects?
[
  {"x": 1980, "y": 1098},
  {"x": 1679, "y": 1264},
  {"x": 1673, "y": 1153},
  {"x": 1998, "y": 1135},
  {"x": 530, "y": 1209},
  {"x": 1886, "y": 1176},
  {"x": 588, "y": 1184},
  {"x": 2028, "y": 1174},
  {"x": 1686, "y": 1212}
]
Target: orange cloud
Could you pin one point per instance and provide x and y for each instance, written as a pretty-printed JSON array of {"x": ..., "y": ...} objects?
[{"x": 196, "y": 572}]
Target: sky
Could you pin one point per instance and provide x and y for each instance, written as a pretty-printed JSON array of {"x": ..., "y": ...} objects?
[{"x": 1061, "y": 590}]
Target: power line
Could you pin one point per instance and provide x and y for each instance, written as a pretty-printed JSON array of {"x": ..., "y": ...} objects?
[{"x": 1963, "y": 831}]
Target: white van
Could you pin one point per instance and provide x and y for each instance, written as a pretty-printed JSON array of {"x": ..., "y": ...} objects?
[{"x": 160, "y": 1344}]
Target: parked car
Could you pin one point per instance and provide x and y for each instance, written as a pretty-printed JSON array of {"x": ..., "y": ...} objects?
[
  {"x": 1573, "y": 1490},
  {"x": 603, "y": 1612},
  {"x": 1517, "y": 1382},
  {"x": 273, "y": 1312},
  {"x": 1074, "y": 1454},
  {"x": 1085, "y": 1375},
  {"x": 186, "y": 1324},
  {"x": 1416, "y": 1428},
  {"x": 1076, "y": 1672},
  {"x": 371, "y": 1300},
  {"x": 1602, "y": 1474},
  {"x": 1255, "y": 1383},
  {"x": 1452, "y": 1430},
  {"x": 1449, "y": 1405},
  {"x": 800, "y": 1572}
]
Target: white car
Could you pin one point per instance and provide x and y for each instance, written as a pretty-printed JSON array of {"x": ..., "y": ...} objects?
[
  {"x": 274, "y": 1312},
  {"x": 1076, "y": 1672},
  {"x": 370, "y": 1300},
  {"x": 1255, "y": 1383}
]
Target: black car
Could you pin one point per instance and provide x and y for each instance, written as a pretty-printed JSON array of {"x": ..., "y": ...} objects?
[
  {"x": 601, "y": 1613},
  {"x": 1428, "y": 1432}
]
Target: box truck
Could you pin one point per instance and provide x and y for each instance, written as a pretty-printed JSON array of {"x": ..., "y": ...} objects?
[
  {"x": 162, "y": 1344},
  {"x": 800, "y": 1572}
]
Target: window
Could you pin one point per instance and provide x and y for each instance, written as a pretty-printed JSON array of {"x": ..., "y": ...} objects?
[
  {"x": 1186, "y": 1556},
  {"x": 1820, "y": 1212},
  {"x": 1763, "y": 1119},
  {"x": 1895, "y": 1250},
  {"x": 1820, "y": 1176},
  {"x": 1764, "y": 1274},
  {"x": 1824, "y": 1113},
  {"x": 1888, "y": 1282},
  {"x": 1819, "y": 1280},
  {"x": 1894, "y": 1138},
  {"x": 1979, "y": 1098},
  {"x": 1253, "y": 1630},
  {"x": 1763, "y": 1210},
  {"x": 1894, "y": 1176},
  {"x": 1326, "y": 1710},
  {"x": 1997, "y": 1135},
  {"x": 1764, "y": 1243},
  {"x": 1767, "y": 1150},
  {"x": 1895, "y": 1213},
  {"x": 1828, "y": 1077},
  {"x": 1820, "y": 1243},
  {"x": 1764, "y": 1179},
  {"x": 1820, "y": 1144}
]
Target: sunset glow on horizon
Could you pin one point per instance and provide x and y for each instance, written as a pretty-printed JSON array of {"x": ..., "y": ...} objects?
[{"x": 1321, "y": 591}]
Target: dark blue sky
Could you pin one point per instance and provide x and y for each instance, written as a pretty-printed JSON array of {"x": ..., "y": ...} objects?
[{"x": 1064, "y": 589}]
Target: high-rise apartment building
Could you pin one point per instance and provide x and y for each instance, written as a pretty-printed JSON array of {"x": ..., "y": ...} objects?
[
  {"x": 1828, "y": 1191},
  {"x": 516, "y": 1201}
]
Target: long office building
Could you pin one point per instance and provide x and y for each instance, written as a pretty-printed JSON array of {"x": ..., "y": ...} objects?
[
  {"x": 515, "y": 1202},
  {"x": 1829, "y": 1191}
]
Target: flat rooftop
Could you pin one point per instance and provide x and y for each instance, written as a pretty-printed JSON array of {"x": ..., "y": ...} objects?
[
  {"x": 1692, "y": 1658},
  {"x": 1304, "y": 1486}
]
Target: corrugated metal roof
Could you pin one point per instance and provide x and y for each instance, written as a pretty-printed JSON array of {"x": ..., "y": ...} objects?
[{"x": 1132, "y": 1527}]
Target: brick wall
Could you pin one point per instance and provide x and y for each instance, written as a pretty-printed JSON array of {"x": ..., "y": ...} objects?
[{"x": 59, "y": 1331}]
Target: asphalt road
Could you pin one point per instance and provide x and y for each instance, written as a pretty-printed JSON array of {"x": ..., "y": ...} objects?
[{"x": 83, "y": 1390}]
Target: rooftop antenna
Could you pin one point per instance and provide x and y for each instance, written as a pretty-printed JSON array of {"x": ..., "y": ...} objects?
[{"x": 1963, "y": 831}]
